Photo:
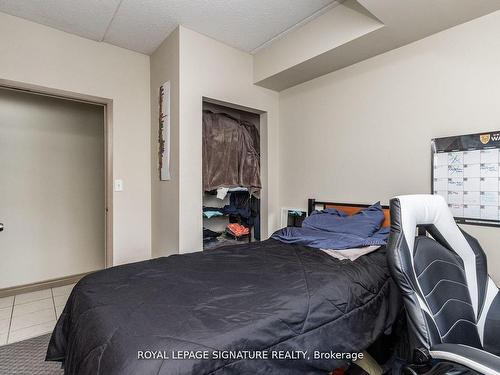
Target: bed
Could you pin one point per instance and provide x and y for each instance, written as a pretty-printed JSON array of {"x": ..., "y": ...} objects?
[{"x": 261, "y": 307}]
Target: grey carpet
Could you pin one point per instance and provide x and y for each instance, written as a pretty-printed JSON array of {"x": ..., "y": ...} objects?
[{"x": 28, "y": 358}]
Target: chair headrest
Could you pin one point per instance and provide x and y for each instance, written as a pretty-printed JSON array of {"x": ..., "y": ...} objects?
[
  {"x": 420, "y": 209},
  {"x": 425, "y": 208},
  {"x": 408, "y": 211}
]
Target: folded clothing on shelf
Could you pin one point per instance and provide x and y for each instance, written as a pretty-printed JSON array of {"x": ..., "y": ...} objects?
[
  {"x": 209, "y": 214},
  {"x": 210, "y": 235}
]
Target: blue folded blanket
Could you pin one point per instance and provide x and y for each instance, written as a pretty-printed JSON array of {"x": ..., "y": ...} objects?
[
  {"x": 334, "y": 229},
  {"x": 363, "y": 224},
  {"x": 329, "y": 240}
]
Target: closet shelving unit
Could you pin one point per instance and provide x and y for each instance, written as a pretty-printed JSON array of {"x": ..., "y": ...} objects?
[{"x": 248, "y": 237}]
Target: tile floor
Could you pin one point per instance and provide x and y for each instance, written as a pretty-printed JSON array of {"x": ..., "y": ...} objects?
[{"x": 31, "y": 314}]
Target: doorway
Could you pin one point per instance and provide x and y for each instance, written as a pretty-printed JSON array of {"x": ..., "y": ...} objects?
[{"x": 53, "y": 202}]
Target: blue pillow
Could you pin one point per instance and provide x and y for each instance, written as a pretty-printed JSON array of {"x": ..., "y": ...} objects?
[{"x": 363, "y": 224}]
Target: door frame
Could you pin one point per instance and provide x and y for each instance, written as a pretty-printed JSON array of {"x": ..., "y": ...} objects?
[{"x": 107, "y": 104}]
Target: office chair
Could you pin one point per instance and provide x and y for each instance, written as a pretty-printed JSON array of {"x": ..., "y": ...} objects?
[{"x": 452, "y": 305}]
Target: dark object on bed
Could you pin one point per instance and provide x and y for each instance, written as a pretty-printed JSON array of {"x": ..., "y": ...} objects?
[
  {"x": 363, "y": 223},
  {"x": 348, "y": 208},
  {"x": 265, "y": 296},
  {"x": 321, "y": 239},
  {"x": 339, "y": 226}
]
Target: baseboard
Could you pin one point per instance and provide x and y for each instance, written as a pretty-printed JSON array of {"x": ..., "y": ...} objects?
[{"x": 34, "y": 287}]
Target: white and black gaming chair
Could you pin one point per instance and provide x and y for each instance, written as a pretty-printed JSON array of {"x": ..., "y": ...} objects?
[{"x": 452, "y": 305}]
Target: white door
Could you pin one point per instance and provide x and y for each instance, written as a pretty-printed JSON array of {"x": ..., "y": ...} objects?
[{"x": 51, "y": 188}]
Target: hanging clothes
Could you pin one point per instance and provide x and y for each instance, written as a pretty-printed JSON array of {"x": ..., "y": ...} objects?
[
  {"x": 231, "y": 155},
  {"x": 254, "y": 133},
  {"x": 247, "y": 208}
]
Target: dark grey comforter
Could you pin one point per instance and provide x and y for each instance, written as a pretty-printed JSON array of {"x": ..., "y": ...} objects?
[{"x": 265, "y": 296}]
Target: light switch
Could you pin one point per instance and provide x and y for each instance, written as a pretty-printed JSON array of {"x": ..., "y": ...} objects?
[{"x": 118, "y": 185}]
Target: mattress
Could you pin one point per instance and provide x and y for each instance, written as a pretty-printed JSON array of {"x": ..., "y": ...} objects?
[{"x": 218, "y": 309}]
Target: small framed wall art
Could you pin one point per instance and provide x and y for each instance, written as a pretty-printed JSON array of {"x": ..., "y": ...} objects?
[{"x": 164, "y": 132}]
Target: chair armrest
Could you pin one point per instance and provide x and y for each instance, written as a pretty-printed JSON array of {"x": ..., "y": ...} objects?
[{"x": 476, "y": 359}]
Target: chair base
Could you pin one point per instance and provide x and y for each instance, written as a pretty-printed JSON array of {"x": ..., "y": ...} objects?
[{"x": 439, "y": 368}]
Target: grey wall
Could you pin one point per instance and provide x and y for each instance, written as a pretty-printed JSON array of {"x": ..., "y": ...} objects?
[
  {"x": 165, "y": 194},
  {"x": 51, "y": 188},
  {"x": 363, "y": 133}
]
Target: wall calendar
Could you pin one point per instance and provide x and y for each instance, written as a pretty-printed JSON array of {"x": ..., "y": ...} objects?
[{"x": 465, "y": 171}]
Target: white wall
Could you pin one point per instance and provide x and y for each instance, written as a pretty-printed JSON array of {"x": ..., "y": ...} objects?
[
  {"x": 363, "y": 133},
  {"x": 52, "y": 188},
  {"x": 165, "y": 194},
  {"x": 39, "y": 55},
  {"x": 211, "y": 69}
]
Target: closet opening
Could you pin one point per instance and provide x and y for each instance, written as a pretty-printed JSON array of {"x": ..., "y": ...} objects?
[{"x": 233, "y": 178}]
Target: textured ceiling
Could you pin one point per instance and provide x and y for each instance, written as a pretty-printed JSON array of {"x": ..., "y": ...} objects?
[{"x": 141, "y": 25}]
